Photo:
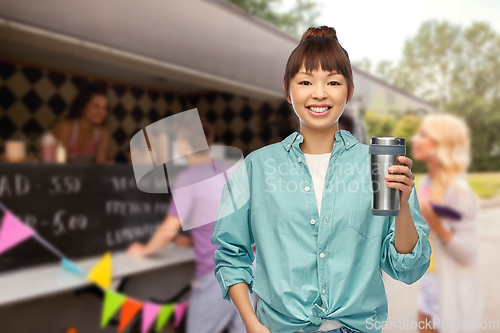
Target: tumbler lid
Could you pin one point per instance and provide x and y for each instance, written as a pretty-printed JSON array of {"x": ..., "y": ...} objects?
[{"x": 387, "y": 140}]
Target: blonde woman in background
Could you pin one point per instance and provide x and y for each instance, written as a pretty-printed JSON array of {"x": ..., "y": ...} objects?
[{"x": 451, "y": 290}]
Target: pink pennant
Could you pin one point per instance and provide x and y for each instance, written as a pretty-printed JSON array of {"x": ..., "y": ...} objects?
[
  {"x": 179, "y": 310},
  {"x": 149, "y": 313},
  {"x": 13, "y": 232}
]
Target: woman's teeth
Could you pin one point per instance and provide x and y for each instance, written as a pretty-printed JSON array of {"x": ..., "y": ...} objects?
[{"x": 319, "y": 110}]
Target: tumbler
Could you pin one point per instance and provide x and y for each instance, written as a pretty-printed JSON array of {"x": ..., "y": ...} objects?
[{"x": 384, "y": 152}]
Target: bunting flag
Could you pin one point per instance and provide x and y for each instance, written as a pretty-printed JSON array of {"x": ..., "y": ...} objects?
[
  {"x": 129, "y": 310},
  {"x": 111, "y": 304},
  {"x": 180, "y": 309},
  {"x": 163, "y": 316},
  {"x": 102, "y": 272},
  {"x": 13, "y": 232},
  {"x": 72, "y": 267},
  {"x": 149, "y": 312}
]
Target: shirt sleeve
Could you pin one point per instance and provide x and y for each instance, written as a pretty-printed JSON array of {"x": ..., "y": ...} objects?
[
  {"x": 464, "y": 243},
  {"x": 232, "y": 234},
  {"x": 407, "y": 267}
]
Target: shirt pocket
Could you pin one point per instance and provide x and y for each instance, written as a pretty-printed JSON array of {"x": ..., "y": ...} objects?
[{"x": 363, "y": 221}]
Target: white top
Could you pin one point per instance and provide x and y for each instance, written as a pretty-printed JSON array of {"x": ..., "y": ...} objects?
[
  {"x": 318, "y": 165},
  {"x": 458, "y": 272}
]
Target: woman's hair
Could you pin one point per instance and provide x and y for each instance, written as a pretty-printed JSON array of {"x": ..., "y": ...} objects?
[
  {"x": 452, "y": 137},
  {"x": 84, "y": 97},
  {"x": 187, "y": 127},
  {"x": 319, "y": 46}
]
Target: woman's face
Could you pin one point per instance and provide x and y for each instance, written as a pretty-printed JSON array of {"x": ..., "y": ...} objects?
[
  {"x": 318, "y": 98},
  {"x": 423, "y": 145},
  {"x": 96, "y": 109}
]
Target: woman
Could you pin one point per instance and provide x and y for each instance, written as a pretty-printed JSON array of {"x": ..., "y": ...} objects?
[
  {"x": 451, "y": 287},
  {"x": 84, "y": 133},
  {"x": 319, "y": 249},
  {"x": 207, "y": 311}
]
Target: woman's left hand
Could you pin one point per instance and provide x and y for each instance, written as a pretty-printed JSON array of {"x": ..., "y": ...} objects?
[{"x": 404, "y": 182}]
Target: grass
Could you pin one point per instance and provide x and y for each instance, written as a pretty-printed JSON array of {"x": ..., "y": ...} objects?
[{"x": 484, "y": 184}]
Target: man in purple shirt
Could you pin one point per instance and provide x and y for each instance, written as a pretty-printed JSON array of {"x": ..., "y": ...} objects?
[{"x": 208, "y": 311}]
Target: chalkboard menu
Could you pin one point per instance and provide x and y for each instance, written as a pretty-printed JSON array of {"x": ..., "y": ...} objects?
[{"x": 82, "y": 210}]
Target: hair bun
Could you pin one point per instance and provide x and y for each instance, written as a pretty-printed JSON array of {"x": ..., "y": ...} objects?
[{"x": 323, "y": 31}]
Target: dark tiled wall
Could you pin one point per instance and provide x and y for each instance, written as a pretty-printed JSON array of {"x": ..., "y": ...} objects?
[{"x": 33, "y": 99}]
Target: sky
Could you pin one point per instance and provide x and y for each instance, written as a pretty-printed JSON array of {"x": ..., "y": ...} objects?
[{"x": 378, "y": 29}]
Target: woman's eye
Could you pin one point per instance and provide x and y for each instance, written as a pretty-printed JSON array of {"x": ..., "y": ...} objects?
[
  {"x": 336, "y": 83},
  {"x": 304, "y": 82}
]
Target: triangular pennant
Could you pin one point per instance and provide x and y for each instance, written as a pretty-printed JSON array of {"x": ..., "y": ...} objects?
[
  {"x": 72, "y": 267},
  {"x": 129, "y": 310},
  {"x": 180, "y": 309},
  {"x": 13, "y": 232},
  {"x": 163, "y": 316},
  {"x": 102, "y": 272},
  {"x": 149, "y": 313},
  {"x": 111, "y": 304}
]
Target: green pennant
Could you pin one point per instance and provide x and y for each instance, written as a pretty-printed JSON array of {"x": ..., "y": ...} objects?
[
  {"x": 111, "y": 304},
  {"x": 163, "y": 316}
]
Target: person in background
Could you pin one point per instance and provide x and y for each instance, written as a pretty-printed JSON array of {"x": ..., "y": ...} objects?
[
  {"x": 451, "y": 287},
  {"x": 208, "y": 311},
  {"x": 84, "y": 133}
]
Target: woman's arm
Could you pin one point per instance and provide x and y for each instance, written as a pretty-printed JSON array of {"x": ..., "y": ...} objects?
[
  {"x": 464, "y": 241},
  {"x": 161, "y": 238},
  {"x": 61, "y": 132},
  {"x": 434, "y": 222},
  {"x": 409, "y": 231},
  {"x": 239, "y": 293},
  {"x": 234, "y": 256},
  {"x": 103, "y": 146}
]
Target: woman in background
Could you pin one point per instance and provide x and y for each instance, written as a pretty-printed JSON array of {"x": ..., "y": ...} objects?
[
  {"x": 451, "y": 287},
  {"x": 84, "y": 133}
]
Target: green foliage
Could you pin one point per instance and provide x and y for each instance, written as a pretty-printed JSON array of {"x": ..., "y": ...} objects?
[
  {"x": 294, "y": 22},
  {"x": 457, "y": 69}
]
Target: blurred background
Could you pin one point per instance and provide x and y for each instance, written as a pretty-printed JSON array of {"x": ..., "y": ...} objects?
[{"x": 79, "y": 78}]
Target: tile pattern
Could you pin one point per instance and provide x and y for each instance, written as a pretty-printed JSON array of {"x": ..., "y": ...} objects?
[{"x": 33, "y": 99}]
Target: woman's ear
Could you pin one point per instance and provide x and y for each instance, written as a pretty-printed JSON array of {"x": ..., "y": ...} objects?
[
  {"x": 286, "y": 96},
  {"x": 351, "y": 93}
]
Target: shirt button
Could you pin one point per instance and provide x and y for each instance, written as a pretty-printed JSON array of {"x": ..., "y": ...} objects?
[
  {"x": 307, "y": 188},
  {"x": 329, "y": 187},
  {"x": 312, "y": 221},
  {"x": 324, "y": 292},
  {"x": 347, "y": 143},
  {"x": 326, "y": 219},
  {"x": 299, "y": 159},
  {"x": 335, "y": 156},
  {"x": 288, "y": 146},
  {"x": 322, "y": 255},
  {"x": 298, "y": 136}
]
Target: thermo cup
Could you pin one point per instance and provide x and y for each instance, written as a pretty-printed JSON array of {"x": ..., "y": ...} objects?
[{"x": 383, "y": 153}]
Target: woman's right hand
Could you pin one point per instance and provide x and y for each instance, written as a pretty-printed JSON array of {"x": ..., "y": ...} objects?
[
  {"x": 259, "y": 328},
  {"x": 136, "y": 249}
]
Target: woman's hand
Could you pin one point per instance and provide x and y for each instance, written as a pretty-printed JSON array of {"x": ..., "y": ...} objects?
[
  {"x": 404, "y": 182},
  {"x": 183, "y": 240},
  {"x": 136, "y": 249},
  {"x": 259, "y": 328}
]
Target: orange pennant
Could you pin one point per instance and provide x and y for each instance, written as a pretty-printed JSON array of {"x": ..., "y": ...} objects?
[{"x": 129, "y": 310}]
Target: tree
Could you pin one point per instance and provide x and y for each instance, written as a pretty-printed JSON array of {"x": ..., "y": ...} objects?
[
  {"x": 457, "y": 69},
  {"x": 294, "y": 22}
]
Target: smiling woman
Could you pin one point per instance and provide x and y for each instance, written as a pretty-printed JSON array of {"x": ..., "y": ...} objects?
[{"x": 319, "y": 250}]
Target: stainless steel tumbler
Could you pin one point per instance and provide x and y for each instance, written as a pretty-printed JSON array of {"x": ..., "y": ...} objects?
[{"x": 383, "y": 153}]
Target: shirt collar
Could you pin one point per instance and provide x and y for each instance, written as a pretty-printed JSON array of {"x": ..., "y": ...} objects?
[{"x": 347, "y": 139}]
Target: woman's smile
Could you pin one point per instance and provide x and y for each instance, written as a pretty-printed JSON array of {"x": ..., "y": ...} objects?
[{"x": 319, "y": 111}]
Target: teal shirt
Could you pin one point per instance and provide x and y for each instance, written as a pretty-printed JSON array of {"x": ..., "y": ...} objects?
[{"x": 304, "y": 261}]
